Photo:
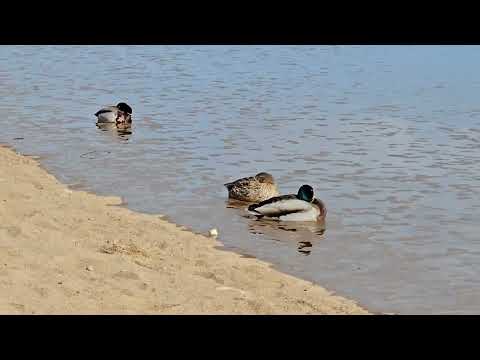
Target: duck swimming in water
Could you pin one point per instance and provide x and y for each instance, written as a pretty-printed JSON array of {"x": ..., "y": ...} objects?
[
  {"x": 295, "y": 207},
  {"x": 253, "y": 189},
  {"x": 121, "y": 113}
]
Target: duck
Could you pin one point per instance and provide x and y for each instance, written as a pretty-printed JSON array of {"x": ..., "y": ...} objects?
[
  {"x": 119, "y": 114},
  {"x": 302, "y": 206},
  {"x": 253, "y": 189}
]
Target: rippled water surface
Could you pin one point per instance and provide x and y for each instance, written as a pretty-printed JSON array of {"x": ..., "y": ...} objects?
[{"x": 388, "y": 136}]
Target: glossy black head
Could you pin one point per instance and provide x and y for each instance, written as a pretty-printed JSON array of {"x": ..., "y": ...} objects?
[
  {"x": 124, "y": 107},
  {"x": 305, "y": 193}
]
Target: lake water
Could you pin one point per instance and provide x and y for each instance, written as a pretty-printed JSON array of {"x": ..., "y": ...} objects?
[{"x": 388, "y": 136}]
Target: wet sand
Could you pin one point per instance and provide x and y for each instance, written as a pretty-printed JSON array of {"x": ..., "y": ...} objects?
[{"x": 72, "y": 252}]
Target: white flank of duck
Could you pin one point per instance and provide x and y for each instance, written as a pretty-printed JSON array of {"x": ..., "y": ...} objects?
[{"x": 300, "y": 207}]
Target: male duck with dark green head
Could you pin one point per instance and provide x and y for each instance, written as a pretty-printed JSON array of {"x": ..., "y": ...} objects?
[
  {"x": 294, "y": 207},
  {"x": 119, "y": 114}
]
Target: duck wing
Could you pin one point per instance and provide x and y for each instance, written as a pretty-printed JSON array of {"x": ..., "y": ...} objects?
[
  {"x": 239, "y": 183},
  {"x": 106, "y": 110},
  {"x": 280, "y": 206},
  {"x": 107, "y": 114}
]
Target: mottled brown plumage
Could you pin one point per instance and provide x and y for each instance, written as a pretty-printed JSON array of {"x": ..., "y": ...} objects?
[{"x": 253, "y": 189}]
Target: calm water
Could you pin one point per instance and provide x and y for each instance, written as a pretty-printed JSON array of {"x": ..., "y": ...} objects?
[{"x": 389, "y": 137}]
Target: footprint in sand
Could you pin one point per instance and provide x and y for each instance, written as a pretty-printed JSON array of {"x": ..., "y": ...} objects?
[
  {"x": 18, "y": 307},
  {"x": 11, "y": 230},
  {"x": 210, "y": 275},
  {"x": 129, "y": 275}
]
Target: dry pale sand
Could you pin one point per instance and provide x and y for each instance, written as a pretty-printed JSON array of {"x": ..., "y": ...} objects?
[{"x": 72, "y": 252}]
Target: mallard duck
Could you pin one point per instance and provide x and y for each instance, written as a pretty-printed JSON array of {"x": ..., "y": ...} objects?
[
  {"x": 300, "y": 207},
  {"x": 121, "y": 113},
  {"x": 252, "y": 189}
]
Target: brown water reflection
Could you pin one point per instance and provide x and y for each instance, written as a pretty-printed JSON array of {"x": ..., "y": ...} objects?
[
  {"x": 306, "y": 234},
  {"x": 122, "y": 131}
]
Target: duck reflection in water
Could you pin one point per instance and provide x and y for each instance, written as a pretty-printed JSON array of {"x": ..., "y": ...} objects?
[
  {"x": 120, "y": 130},
  {"x": 236, "y": 204},
  {"x": 304, "y": 233}
]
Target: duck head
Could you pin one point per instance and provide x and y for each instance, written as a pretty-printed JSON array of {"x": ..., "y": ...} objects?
[
  {"x": 126, "y": 110},
  {"x": 264, "y": 177},
  {"x": 124, "y": 107},
  {"x": 305, "y": 193}
]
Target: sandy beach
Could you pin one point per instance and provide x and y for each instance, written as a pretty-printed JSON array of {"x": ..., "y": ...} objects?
[{"x": 72, "y": 252}]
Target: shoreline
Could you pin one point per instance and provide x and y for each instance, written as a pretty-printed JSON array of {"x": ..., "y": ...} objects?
[{"x": 64, "y": 251}]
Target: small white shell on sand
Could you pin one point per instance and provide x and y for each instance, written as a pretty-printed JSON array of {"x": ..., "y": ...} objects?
[
  {"x": 213, "y": 232},
  {"x": 89, "y": 268}
]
